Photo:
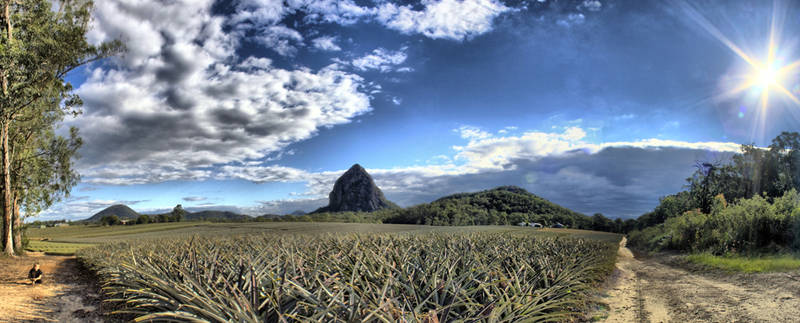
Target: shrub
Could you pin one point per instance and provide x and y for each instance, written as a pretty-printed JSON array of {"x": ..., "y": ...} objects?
[{"x": 749, "y": 225}]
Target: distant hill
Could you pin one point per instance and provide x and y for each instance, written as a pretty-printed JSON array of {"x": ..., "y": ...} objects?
[
  {"x": 501, "y": 205},
  {"x": 215, "y": 215},
  {"x": 123, "y": 212},
  {"x": 355, "y": 191}
]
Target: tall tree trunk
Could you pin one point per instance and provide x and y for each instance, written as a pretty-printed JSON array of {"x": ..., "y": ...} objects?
[
  {"x": 8, "y": 247},
  {"x": 17, "y": 228},
  {"x": 8, "y": 238}
]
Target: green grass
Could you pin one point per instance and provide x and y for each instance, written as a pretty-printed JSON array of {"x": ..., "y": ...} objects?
[
  {"x": 747, "y": 264},
  {"x": 56, "y": 248}
]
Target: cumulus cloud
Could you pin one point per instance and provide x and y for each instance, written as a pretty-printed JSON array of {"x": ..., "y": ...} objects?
[
  {"x": 445, "y": 19},
  {"x": 380, "y": 59},
  {"x": 182, "y": 101},
  {"x": 327, "y": 43}
]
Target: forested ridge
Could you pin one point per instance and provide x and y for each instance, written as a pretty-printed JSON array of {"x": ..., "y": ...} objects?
[{"x": 505, "y": 205}]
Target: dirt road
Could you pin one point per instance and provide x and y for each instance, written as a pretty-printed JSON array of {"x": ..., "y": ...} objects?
[
  {"x": 666, "y": 289},
  {"x": 65, "y": 296}
]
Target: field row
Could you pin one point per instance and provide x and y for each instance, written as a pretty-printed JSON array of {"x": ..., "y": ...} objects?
[{"x": 356, "y": 277}]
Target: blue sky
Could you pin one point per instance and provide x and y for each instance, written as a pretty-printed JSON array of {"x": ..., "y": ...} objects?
[{"x": 258, "y": 106}]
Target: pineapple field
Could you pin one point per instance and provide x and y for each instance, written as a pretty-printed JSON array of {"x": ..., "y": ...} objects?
[{"x": 380, "y": 277}]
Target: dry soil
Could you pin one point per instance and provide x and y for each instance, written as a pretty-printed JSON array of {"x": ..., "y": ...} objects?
[
  {"x": 66, "y": 295},
  {"x": 665, "y": 288}
]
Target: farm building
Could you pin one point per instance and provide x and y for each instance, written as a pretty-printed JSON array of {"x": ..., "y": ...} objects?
[{"x": 62, "y": 224}]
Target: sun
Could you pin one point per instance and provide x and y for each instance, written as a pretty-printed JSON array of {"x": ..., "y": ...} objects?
[{"x": 766, "y": 77}]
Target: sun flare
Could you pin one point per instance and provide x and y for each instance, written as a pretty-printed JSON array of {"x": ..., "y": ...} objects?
[{"x": 766, "y": 77}]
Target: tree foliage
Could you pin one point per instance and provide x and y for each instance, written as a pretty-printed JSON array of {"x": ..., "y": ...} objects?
[
  {"x": 38, "y": 47},
  {"x": 110, "y": 220},
  {"x": 763, "y": 214}
]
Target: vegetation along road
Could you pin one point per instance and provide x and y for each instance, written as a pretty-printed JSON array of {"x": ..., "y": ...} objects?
[{"x": 668, "y": 289}]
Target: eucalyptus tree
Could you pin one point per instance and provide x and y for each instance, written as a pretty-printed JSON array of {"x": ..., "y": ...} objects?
[
  {"x": 42, "y": 170},
  {"x": 40, "y": 42}
]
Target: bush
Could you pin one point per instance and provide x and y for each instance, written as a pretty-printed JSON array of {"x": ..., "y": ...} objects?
[
  {"x": 110, "y": 220},
  {"x": 143, "y": 219},
  {"x": 750, "y": 225}
]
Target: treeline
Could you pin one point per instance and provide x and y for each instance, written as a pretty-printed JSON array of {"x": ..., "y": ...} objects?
[
  {"x": 177, "y": 215},
  {"x": 506, "y": 205},
  {"x": 748, "y": 204}
]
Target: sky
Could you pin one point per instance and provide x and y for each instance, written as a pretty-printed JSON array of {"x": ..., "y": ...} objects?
[{"x": 257, "y": 106}]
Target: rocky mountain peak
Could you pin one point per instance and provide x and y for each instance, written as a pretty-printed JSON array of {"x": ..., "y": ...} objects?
[{"x": 356, "y": 191}]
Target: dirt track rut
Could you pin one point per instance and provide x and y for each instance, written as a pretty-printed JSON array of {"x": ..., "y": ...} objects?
[{"x": 662, "y": 289}]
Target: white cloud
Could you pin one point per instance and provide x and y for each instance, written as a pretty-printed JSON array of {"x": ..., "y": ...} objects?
[
  {"x": 472, "y": 133},
  {"x": 343, "y": 12},
  {"x": 448, "y": 19},
  {"x": 591, "y": 5},
  {"x": 281, "y": 39},
  {"x": 571, "y": 19},
  {"x": 380, "y": 59},
  {"x": 327, "y": 43},
  {"x": 181, "y": 101},
  {"x": 438, "y": 19}
]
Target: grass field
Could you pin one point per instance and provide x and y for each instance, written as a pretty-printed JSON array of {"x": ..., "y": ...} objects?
[
  {"x": 745, "y": 264},
  {"x": 66, "y": 240},
  {"x": 56, "y": 248}
]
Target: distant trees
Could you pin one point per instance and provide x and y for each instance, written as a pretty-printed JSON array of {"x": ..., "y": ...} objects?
[
  {"x": 143, "y": 219},
  {"x": 177, "y": 214},
  {"x": 38, "y": 47},
  {"x": 110, "y": 220}
]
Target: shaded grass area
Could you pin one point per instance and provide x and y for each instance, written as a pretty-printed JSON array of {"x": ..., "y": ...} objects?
[
  {"x": 747, "y": 264},
  {"x": 56, "y": 248}
]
